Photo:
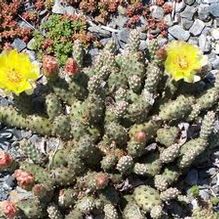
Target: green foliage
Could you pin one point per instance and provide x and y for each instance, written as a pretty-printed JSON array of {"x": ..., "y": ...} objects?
[
  {"x": 59, "y": 31},
  {"x": 194, "y": 191}
]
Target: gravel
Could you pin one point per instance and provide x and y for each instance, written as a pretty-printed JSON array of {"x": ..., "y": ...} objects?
[
  {"x": 19, "y": 44},
  {"x": 197, "y": 27},
  {"x": 179, "y": 33}
]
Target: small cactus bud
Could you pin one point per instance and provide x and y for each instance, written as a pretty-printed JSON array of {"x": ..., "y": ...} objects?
[
  {"x": 50, "y": 66},
  {"x": 24, "y": 179},
  {"x": 161, "y": 54},
  {"x": 9, "y": 209},
  {"x": 71, "y": 67},
  {"x": 38, "y": 189},
  {"x": 5, "y": 160},
  {"x": 101, "y": 180},
  {"x": 140, "y": 136}
]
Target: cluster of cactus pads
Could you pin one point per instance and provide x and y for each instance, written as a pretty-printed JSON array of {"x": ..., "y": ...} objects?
[{"x": 119, "y": 122}]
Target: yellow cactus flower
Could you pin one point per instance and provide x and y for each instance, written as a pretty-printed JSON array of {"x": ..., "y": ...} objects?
[
  {"x": 17, "y": 72},
  {"x": 183, "y": 61}
]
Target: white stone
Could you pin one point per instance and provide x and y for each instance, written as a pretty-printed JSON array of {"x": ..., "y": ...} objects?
[
  {"x": 209, "y": 1},
  {"x": 215, "y": 33},
  {"x": 180, "y": 6},
  {"x": 202, "y": 42},
  {"x": 216, "y": 48},
  {"x": 197, "y": 27},
  {"x": 58, "y": 8}
]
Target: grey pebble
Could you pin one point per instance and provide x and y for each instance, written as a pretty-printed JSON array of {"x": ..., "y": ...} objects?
[
  {"x": 168, "y": 19},
  {"x": 179, "y": 33},
  {"x": 216, "y": 20},
  {"x": 143, "y": 36},
  {"x": 215, "y": 63},
  {"x": 31, "y": 54},
  {"x": 43, "y": 12},
  {"x": 104, "y": 41},
  {"x": 118, "y": 21},
  {"x": 215, "y": 33},
  {"x": 94, "y": 52},
  {"x": 189, "y": 12},
  {"x": 123, "y": 35},
  {"x": 70, "y": 10},
  {"x": 180, "y": 6},
  {"x": 193, "y": 40},
  {"x": 206, "y": 30},
  {"x": 98, "y": 30},
  {"x": 8, "y": 182},
  {"x": 214, "y": 9},
  {"x": 58, "y": 8},
  {"x": 19, "y": 44},
  {"x": 189, "y": 2},
  {"x": 24, "y": 24},
  {"x": 186, "y": 23},
  {"x": 209, "y": 1},
  {"x": 202, "y": 42},
  {"x": 197, "y": 27},
  {"x": 204, "y": 194},
  {"x": 203, "y": 12},
  {"x": 143, "y": 45},
  {"x": 157, "y": 12}
]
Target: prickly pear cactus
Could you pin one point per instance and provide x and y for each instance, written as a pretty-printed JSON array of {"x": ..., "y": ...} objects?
[{"x": 119, "y": 121}]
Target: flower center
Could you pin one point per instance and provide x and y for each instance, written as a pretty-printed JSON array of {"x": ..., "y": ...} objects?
[
  {"x": 182, "y": 62},
  {"x": 14, "y": 76}
]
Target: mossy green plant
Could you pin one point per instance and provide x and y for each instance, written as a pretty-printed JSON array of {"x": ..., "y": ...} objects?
[{"x": 56, "y": 36}]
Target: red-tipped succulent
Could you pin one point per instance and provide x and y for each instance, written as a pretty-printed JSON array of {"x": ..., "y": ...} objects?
[
  {"x": 50, "y": 66},
  {"x": 24, "y": 179},
  {"x": 140, "y": 136},
  {"x": 9, "y": 209},
  {"x": 6, "y": 160},
  {"x": 102, "y": 180},
  {"x": 71, "y": 67}
]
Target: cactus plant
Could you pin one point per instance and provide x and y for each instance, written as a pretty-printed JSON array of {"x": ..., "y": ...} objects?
[{"x": 118, "y": 121}]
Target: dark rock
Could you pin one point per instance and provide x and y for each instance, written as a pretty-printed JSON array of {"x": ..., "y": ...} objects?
[{"x": 192, "y": 177}]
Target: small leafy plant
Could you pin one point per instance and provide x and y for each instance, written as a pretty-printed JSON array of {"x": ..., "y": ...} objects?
[{"x": 58, "y": 36}]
